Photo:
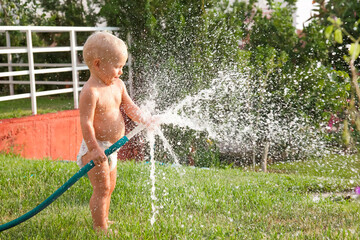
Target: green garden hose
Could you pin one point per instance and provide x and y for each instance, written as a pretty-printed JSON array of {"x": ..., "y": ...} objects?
[{"x": 70, "y": 182}]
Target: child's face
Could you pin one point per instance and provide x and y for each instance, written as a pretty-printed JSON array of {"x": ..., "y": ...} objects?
[{"x": 111, "y": 68}]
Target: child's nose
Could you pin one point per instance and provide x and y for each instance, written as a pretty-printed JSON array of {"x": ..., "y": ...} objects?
[{"x": 120, "y": 72}]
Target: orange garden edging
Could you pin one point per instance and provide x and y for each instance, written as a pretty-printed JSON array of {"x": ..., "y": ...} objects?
[{"x": 53, "y": 135}]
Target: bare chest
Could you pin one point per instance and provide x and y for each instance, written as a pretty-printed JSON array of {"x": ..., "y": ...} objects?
[{"x": 109, "y": 99}]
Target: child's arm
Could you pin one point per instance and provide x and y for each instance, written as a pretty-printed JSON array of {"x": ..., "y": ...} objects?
[
  {"x": 131, "y": 109},
  {"x": 87, "y": 106}
]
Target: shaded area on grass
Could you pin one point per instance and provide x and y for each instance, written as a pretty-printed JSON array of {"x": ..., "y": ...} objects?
[{"x": 341, "y": 167}]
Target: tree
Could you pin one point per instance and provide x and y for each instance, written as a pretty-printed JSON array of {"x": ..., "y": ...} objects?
[
  {"x": 348, "y": 12},
  {"x": 17, "y": 12},
  {"x": 189, "y": 37},
  {"x": 46, "y": 13},
  {"x": 340, "y": 20}
]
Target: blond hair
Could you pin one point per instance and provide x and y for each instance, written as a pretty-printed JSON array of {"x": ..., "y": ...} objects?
[{"x": 102, "y": 45}]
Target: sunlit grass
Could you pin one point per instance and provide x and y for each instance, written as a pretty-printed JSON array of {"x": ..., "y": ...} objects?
[
  {"x": 193, "y": 203},
  {"x": 46, "y": 104}
]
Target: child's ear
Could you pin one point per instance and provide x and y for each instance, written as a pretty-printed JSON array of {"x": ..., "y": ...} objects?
[{"x": 96, "y": 63}]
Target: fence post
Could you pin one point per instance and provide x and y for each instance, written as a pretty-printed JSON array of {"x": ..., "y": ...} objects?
[
  {"x": 9, "y": 58},
  {"x": 31, "y": 71},
  {"x": 74, "y": 69}
]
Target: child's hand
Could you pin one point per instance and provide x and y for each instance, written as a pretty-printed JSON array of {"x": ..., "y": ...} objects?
[
  {"x": 153, "y": 122},
  {"x": 98, "y": 156}
]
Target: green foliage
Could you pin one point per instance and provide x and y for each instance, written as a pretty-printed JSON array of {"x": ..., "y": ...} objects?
[
  {"x": 191, "y": 148},
  {"x": 340, "y": 13},
  {"x": 337, "y": 28},
  {"x": 344, "y": 31},
  {"x": 278, "y": 25},
  {"x": 181, "y": 46},
  {"x": 190, "y": 39},
  {"x": 312, "y": 45},
  {"x": 45, "y": 13},
  {"x": 17, "y": 12}
]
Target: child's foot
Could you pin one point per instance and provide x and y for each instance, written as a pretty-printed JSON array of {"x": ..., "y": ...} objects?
[
  {"x": 112, "y": 233},
  {"x": 110, "y": 222},
  {"x": 107, "y": 232}
]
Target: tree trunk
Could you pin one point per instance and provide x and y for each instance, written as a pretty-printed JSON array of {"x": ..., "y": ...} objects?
[
  {"x": 264, "y": 159},
  {"x": 354, "y": 78}
]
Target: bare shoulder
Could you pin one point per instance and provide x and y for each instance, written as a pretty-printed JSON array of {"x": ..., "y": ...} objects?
[
  {"x": 121, "y": 83},
  {"x": 89, "y": 92}
]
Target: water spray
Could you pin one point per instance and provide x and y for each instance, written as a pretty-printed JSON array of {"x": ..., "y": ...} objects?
[{"x": 70, "y": 182}]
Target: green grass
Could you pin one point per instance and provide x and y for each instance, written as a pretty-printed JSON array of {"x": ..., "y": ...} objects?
[
  {"x": 193, "y": 203},
  {"x": 340, "y": 172},
  {"x": 46, "y": 104}
]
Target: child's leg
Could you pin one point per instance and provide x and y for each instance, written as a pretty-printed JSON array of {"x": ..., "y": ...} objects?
[
  {"x": 100, "y": 180},
  {"x": 112, "y": 187}
]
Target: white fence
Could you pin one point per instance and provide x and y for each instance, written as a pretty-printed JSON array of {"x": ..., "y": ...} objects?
[{"x": 73, "y": 67}]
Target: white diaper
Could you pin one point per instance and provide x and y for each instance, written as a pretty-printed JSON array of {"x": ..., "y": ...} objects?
[{"x": 104, "y": 145}]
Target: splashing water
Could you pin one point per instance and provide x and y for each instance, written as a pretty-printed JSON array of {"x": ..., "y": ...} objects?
[
  {"x": 167, "y": 146},
  {"x": 227, "y": 113},
  {"x": 151, "y": 139}
]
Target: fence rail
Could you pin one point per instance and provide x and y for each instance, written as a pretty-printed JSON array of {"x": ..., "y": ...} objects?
[{"x": 73, "y": 67}]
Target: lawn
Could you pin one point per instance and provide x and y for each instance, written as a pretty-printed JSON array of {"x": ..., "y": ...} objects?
[
  {"x": 46, "y": 104},
  {"x": 193, "y": 203}
]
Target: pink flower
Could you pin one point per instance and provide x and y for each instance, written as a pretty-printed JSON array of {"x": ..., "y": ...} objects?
[{"x": 357, "y": 190}]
